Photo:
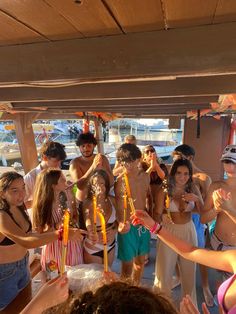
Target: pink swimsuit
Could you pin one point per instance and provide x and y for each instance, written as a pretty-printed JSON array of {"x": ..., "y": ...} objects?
[{"x": 221, "y": 294}]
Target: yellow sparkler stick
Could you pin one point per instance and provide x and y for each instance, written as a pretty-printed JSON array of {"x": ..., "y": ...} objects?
[
  {"x": 128, "y": 191},
  {"x": 66, "y": 220},
  {"x": 94, "y": 213},
  {"x": 125, "y": 206},
  {"x": 104, "y": 235}
]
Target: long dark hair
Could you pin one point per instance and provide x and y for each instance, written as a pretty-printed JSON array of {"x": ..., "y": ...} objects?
[
  {"x": 171, "y": 179},
  {"x": 6, "y": 179},
  {"x": 44, "y": 197},
  {"x": 98, "y": 173}
]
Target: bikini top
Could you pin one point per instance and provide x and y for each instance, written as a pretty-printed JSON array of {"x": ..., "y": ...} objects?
[
  {"x": 173, "y": 208},
  {"x": 111, "y": 219},
  {"x": 222, "y": 292},
  {"x": 6, "y": 241}
]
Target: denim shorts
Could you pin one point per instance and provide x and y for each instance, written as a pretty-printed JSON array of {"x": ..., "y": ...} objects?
[{"x": 13, "y": 278}]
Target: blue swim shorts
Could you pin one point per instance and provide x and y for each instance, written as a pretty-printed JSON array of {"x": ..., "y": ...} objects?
[
  {"x": 200, "y": 230},
  {"x": 134, "y": 243},
  {"x": 14, "y": 277}
]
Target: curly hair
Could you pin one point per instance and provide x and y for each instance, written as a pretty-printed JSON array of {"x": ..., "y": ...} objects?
[
  {"x": 86, "y": 138},
  {"x": 128, "y": 153},
  {"x": 122, "y": 298},
  {"x": 53, "y": 150}
]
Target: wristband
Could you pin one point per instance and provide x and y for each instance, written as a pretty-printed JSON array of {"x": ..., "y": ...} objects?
[
  {"x": 155, "y": 227},
  {"x": 159, "y": 229},
  {"x": 60, "y": 233}
]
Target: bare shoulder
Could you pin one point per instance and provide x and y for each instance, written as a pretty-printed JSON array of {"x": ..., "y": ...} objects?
[
  {"x": 76, "y": 161},
  {"x": 201, "y": 176},
  {"x": 217, "y": 184}
]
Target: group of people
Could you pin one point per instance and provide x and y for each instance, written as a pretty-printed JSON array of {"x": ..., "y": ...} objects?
[{"x": 140, "y": 196}]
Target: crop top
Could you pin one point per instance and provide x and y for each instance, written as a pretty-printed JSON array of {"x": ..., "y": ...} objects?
[
  {"x": 173, "y": 208},
  {"x": 6, "y": 241},
  {"x": 222, "y": 292}
]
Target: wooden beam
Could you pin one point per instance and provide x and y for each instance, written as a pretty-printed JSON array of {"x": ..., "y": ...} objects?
[
  {"x": 205, "y": 50},
  {"x": 114, "y": 108},
  {"x": 117, "y": 102},
  {"x": 25, "y": 137},
  {"x": 99, "y": 136},
  {"x": 182, "y": 87}
]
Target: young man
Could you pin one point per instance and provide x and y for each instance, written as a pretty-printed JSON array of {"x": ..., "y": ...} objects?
[
  {"x": 133, "y": 242},
  {"x": 220, "y": 203},
  {"x": 81, "y": 167},
  {"x": 203, "y": 182},
  {"x": 118, "y": 169},
  {"x": 52, "y": 154}
]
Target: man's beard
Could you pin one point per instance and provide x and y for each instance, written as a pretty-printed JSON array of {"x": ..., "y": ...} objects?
[{"x": 87, "y": 155}]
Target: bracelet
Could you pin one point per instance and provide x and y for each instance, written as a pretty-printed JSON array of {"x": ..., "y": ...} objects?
[
  {"x": 60, "y": 233},
  {"x": 159, "y": 229},
  {"x": 155, "y": 227}
]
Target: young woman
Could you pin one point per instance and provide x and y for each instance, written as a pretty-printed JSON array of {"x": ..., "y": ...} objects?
[
  {"x": 183, "y": 197},
  {"x": 16, "y": 238},
  {"x": 99, "y": 185},
  {"x": 48, "y": 215},
  {"x": 223, "y": 260}
]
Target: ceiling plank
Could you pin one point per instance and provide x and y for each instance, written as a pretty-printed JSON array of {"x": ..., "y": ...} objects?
[
  {"x": 135, "y": 16},
  {"x": 197, "y": 86},
  {"x": 139, "y": 55},
  {"x": 192, "y": 12},
  {"x": 41, "y": 17},
  {"x": 90, "y": 17},
  {"x": 13, "y": 32}
]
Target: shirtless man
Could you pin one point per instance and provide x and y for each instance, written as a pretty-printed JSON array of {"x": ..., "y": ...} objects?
[
  {"x": 133, "y": 242},
  {"x": 220, "y": 203},
  {"x": 203, "y": 182},
  {"x": 118, "y": 168},
  {"x": 81, "y": 167}
]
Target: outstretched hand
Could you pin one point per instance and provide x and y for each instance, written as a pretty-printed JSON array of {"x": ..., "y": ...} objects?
[
  {"x": 141, "y": 217},
  {"x": 76, "y": 234},
  {"x": 124, "y": 227},
  {"x": 52, "y": 293},
  {"x": 187, "y": 307}
]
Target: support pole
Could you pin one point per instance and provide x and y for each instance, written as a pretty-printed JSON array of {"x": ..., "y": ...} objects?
[
  {"x": 25, "y": 137},
  {"x": 99, "y": 136}
]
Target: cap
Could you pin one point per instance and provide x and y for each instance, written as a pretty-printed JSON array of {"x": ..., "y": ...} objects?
[{"x": 229, "y": 154}]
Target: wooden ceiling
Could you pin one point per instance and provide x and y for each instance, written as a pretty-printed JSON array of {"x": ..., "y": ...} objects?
[{"x": 138, "y": 58}]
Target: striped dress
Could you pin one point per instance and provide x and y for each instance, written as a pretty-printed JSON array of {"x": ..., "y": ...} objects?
[{"x": 53, "y": 250}]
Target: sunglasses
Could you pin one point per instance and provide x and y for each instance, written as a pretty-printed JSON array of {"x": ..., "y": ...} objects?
[
  {"x": 228, "y": 162},
  {"x": 151, "y": 150}
]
